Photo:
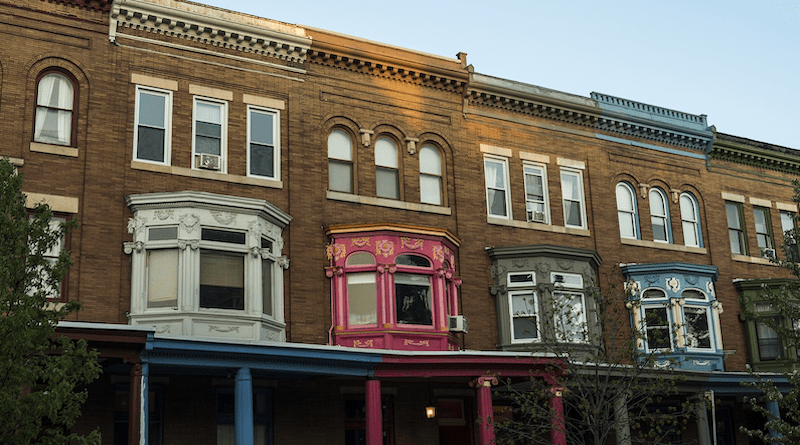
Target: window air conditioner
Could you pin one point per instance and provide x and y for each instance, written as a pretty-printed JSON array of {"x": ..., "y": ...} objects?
[
  {"x": 536, "y": 217},
  {"x": 768, "y": 253},
  {"x": 210, "y": 162},
  {"x": 457, "y": 323}
]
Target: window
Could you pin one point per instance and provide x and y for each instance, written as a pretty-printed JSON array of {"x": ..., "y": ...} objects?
[
  {"x": 572, "y": 196},
  {"x": 764, "y": 232},
  {"x": 263, "y": 143},
  {"x": 626, "y": 211},
  {"x": 676, "y": 313},
  {"x": 770, "y": 346},
  {"x": 340, "y": 162},
  {"x": 430, "y": 176},
  {"x": 195, "y": 254},
  {"x": 209, "y": 128},
  {"x": 55, "y": 110},
  {"x": 659, "y": 216},
  {"x": 788, "y": 228},
  {"x": 569, "y": 308},
  {"x": 733, "y": 211},
  {"x": 524, "y": 307},
  {"x": 387, "y": 182},
  {"x": 536, "y": 200},
  {"x": 496, "y": 176},
  {"x": 690, "y": 220},
  {"x": 53, "y": 292},
  {"x": 152, "y": 132},
  {"x": 396, "y": 280}
]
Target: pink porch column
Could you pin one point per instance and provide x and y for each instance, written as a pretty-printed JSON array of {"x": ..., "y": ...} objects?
[
  {"x": 558, "y": 434},
  {"x": 374, "y": 413},
  {"x": 483, "y": 385}
]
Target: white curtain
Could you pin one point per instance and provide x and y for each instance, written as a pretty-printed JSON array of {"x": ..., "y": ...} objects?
[
  {"x": 46, "y": 85},
  {"x": 54, "y": 110},
  {"x": 65, "y": 96}
]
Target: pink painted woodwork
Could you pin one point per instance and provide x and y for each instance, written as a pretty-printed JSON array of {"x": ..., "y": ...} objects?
[{"x": 374, "y": 412}]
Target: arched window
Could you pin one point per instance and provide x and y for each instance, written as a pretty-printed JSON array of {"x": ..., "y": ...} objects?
[
  {"x": 659, "y": 215},
  {"x": 55, "y": 110},
  {"x": 386, "y": 169},
  {"x": 430, "y": 176},
  {"x": 626, "y": 211},
  {"x": 690, "y": 220},
  {"x": 340, "y": 162}
]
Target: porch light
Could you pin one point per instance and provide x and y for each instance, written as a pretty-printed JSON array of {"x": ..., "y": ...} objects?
[{"x": 430, "y": 410}]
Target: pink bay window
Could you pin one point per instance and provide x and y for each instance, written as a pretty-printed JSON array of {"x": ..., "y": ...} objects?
[{"x": 393, "y": 287}]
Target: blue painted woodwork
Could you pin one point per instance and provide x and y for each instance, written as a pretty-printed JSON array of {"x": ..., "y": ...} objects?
[{"x": 243, "y": 407}]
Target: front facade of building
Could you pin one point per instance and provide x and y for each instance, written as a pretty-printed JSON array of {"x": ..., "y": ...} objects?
[{"x": 289, "y": 227}]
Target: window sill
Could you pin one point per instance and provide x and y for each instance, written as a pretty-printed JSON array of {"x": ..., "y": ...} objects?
[
  {"x": 537, "y": 226},
  {"x": 752, "y": 259},
  {"x": 181, "y": 171},
  {"x": 54, "y": 149},
  {"x": 383, "y": 202},
  {"x": 663, "y": 246}
]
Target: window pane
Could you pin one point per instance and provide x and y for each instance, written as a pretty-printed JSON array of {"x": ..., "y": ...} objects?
[
  {"x": 221, "y": 280},
  {"x": 732, "y": 212},
  {"x": 497, "y": 202},
  {"x": 266, "y": 286},
  {"x": 261, "y": 127},
  {"x": 412, "y": 260},
  {"x": 413, "y": 296},
  {"x": 53, "y": 126},
  {"x": 570, "y": 322},
  {"x": 151, "y": 109},
  {"x": 657, "y": 328},
  {"x": 572, "y": 213},
  {"x": 495, "y": 175},
  {"x": 150, "y": 144},
  {"x": 763, "y": 229},
  {"x": 360, "y": 258},
  {"x": 430, "y": 189},
  {"x": 262, "y": 162},
  {"x": 659, "y": 229},
  {"x": 162, "y": 233},
  {"x": 525, "y": 328},
  {"x": 207, "y": 145},
  {"x": 654, "y": 294},
  {"x": 523, "y": 305},
  {"x": 570, "y": 186},
  {"x": 340, "y": 146},
  {"x": 385, "y": 153},
  {"x": 211, "y": 113},
  {"x": 162, "y": 278},
  {"x": 386, "y": 183},
  {"x": 770, "y": 346},
  {"x": 340, "y": 176},
  {"x": 361, "y": 298},
  {"x": 697, "y": 329},
  {"x": 223, "y": 236},
  {"x": 55, "y": 91},
  {"x": 690, "y": 234},
  {"x": 429, "y": 162}
]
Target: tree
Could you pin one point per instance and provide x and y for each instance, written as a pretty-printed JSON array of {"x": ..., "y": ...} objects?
[
  {"x": 610, "y": 390},
  {"x": 39, "y": 371},
  {"x": 784, "y": 300}
]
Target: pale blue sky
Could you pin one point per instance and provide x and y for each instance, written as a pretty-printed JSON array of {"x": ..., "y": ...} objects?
[{"x": 736, "y": 61}]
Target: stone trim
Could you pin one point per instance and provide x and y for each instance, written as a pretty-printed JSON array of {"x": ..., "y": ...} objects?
[
  {"x": 57, "y": 203},
  {"x": 54, "y": 149}
]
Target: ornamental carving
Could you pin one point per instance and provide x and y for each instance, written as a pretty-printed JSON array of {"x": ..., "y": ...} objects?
[
  {"x": 135, "y": 224},
  {"x": 335, "y": 251},
  {"x": 279, "y": 243},
  {"x": 360, "y": 242},
  {"x": 520, "y": 263},
  {"x": 223, "y": 330},
  {"x": 411, "y": 243},
  {"x": 189, "y": 222},
  {"x": 223, "y": 217},
  {"x": 255, "y": 228},
  {"x": 164, "y": 214},
  {"x": 565, "y": 264},
  {"x": 384, "y": 248},
  {"x": 408, "y": 342},
  {"x": 673, "y": 284},
  {"x": 710, "y": 289},
  {"x": 362, "y": 344},
  {"x": 130, "y": 246},
  {"x": 542, "y": 268},
  {"x": 498, "y": 270},
  {"x": 691, "y": 279},
  {"x": 184, "y": 243},
  {"x": 283, "y": 262},
  {"x": 438, "y": 253}
]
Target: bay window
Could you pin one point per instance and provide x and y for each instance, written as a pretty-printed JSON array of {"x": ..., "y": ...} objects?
[
  {"x": 393, "y": 287},
  {"x": 207, "y": 265}
]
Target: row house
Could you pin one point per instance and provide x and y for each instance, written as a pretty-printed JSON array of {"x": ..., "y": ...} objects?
[{"x": 282, "y": 226}]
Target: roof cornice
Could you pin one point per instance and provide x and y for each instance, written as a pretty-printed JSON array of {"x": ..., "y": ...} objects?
[
  {"x": 213, "y": 26},
  {"x": 754, "y": 153}
]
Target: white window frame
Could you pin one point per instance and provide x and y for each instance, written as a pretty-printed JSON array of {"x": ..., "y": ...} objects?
[
  {"x": 167, "y": 94},
  {"x": 656, "y": 303},
  {"x": 426, "y": 172},
  {"x": 276, "y": 141},
  {"x": 523, "y": 288},
  {"x": 223, "y": 143},
  {"x": 507, "y": 190},
  {"x": 570, "y": 287},
  {"x": 709, "y": 327},
  {"x": 582, "y": 198},
  {"x": 631, "y": 213},
  {"x": 349, "y": 161},
  {"x": 663, "y": 217},
  {"x": 388, "y": 167},
  {"x": 692, "y": 221},
  {"x": 545, "y": 195}
]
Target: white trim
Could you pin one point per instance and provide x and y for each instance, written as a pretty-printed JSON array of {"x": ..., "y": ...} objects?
[
  {"x": 276, "y": 141},
  {"x": 536, "y": 313},
  {"x": 506, "y": 186},
  {"x": 223, "y": 143},
  {"x": 545, "y": 189},
  {"x": 581, "y": 188},
  {"x": 167, "y": 95}
]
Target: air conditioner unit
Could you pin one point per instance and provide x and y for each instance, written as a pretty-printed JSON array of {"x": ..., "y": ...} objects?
[
  {"x": 537, "y": 217},
  {"x": 210, "y": 162},
  {"x": 768, "y": 253},
  {"x": 457, "y": 323}
]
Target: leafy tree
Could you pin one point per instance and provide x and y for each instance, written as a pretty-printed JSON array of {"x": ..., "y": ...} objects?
[
  {"x": 39, "y": 372},
  {"x": 784, "y": 300},
  {"x": 610, "y": 390}
]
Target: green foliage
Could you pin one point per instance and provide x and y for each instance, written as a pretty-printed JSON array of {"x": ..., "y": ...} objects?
[
  {"x": 605, "y": 384},
  {"x": 39, "y": 372},
  {"x": 785, "y": 300}
]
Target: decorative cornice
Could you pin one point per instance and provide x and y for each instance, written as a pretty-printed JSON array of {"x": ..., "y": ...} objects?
[
  {"x": 91, "y": 5},
  {"x": 211, "y": 26},
  {"x": 629, "y": 118},
  {"x": 755, "y": 154},
  {"x": 398, "y": 229}
]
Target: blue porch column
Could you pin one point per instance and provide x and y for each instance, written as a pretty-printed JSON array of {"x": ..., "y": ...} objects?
[
  {"x": 243, "y": 407},
  {"x": 772, "y": 407}
]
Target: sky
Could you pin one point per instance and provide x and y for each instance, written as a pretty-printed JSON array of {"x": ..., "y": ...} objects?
[{"x": 736, "y": 61}]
